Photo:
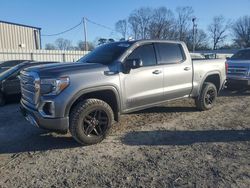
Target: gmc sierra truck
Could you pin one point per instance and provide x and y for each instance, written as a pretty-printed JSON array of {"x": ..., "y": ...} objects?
[{"x": 85, "y": 97}]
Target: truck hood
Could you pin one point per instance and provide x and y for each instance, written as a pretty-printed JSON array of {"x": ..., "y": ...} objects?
[
  {"x": 239, "y": 63},
  {"x": 232, "y": 61},
  {"x": 54, "y": 70}
]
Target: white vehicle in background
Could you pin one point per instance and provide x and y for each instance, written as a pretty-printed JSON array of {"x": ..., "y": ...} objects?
[
  {"x": 238, "y": 75},
  {"x": 197, "y": 56}
]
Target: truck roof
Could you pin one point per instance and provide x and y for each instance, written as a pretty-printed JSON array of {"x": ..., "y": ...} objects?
[{"x": 153, "y": 41}]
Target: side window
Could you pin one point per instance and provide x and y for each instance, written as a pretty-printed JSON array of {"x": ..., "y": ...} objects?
[
  {"x": 146, "y": 53},
  {"x": 170, "y": 53}
]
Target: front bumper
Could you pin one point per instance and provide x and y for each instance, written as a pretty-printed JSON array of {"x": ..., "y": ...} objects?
[
  {"x": 35, "y": 118},
  {"x": 238, "y": 81}
]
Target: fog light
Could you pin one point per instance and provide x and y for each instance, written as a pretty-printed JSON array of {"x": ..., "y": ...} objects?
[{"x": 47, "y": 109}]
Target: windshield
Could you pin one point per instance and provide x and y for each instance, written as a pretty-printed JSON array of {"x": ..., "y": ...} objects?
[
  {"x": 106, "y": 53},
  {"x": 242, "y": 55}
]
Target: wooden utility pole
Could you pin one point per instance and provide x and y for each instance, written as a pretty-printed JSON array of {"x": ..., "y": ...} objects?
[
  {"x": 85, "y": 34},
  {"x": 194, "y": 33}
]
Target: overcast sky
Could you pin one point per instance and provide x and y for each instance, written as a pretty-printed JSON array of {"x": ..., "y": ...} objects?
[{"x": 57, "y": 15}]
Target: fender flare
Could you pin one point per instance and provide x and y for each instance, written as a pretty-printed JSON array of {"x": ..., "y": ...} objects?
[
  {"x": 89, "y": 90},
  {"x": 216, "y": 72}
]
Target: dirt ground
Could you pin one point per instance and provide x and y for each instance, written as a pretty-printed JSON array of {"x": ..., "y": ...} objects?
[{"x": 169, "y": 146}]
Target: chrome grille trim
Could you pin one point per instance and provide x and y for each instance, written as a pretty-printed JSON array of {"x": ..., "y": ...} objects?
[
  {"x": 30, "y": 87},
  {"x": 238, "y": 71}
]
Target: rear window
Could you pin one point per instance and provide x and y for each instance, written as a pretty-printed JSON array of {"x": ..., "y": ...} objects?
[
  {"x": 170, "y": 53},
  {"x": 242, "y": 55}
]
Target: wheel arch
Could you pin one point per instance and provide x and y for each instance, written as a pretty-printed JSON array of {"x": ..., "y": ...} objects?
[
  {"x": 213, "y": 77},
  {"x": 109, "y": 94}
]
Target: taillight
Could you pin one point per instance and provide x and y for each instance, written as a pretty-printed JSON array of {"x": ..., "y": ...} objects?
[{"x": 226, "y": 67}]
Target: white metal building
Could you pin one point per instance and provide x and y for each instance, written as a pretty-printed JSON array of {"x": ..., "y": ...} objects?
[{"x": 19, "y": 36}]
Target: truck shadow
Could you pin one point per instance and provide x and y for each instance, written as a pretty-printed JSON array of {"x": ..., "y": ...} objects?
[
  {"x": 42, "y": 141},
  {"x": 17, "y": 135},
  {"x": 236, "y": 92},
  {"x": 166, "y": 109},
  {"x": 173, "y": 138}
]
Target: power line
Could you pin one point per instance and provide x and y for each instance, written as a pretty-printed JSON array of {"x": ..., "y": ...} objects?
[
  {"x": 104, "y": 26},
  {"x": 74, "y": 27},
  {"x": 70, "y": 29}
]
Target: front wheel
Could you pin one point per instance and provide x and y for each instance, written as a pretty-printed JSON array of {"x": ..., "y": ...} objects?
[
  {"x": 2, "y": 100},
  {"x": 90, "y": 121},
  {"x": 207, "y": 97}
]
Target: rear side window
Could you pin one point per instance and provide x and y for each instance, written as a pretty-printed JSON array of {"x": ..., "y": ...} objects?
[
  {"x": 170, "y": 53},
  {"x": 146, "y": 53}
]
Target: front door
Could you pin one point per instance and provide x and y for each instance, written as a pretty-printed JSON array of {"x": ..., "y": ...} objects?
[{"x": 142, "y": 86}]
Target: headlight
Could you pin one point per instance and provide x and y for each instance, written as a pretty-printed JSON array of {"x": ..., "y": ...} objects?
[{"x": 54, "y": 86}]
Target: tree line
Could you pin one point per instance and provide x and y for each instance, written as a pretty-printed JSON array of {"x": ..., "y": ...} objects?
[
  {"x": 181, "y": 25},
  {"x": 163, "y": 23},
  {"x": 65, "y": 44}
]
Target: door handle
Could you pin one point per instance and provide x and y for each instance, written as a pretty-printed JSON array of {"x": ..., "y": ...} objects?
[
  {"x": 187, "y": 68},
  {"x": 157, "y": 72}
]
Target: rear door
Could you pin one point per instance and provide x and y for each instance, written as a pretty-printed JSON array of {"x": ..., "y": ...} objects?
[{"x": 177, "y": 70}]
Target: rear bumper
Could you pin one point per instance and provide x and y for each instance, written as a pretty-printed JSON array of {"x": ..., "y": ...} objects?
[{"x": 54, "y": 124}]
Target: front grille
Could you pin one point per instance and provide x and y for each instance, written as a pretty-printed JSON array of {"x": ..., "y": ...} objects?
[
  {"x": 30, "y": 87},
  {"x": 237, "y": 71}
]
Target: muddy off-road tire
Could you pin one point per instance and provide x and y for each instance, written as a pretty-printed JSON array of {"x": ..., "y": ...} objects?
[
  {"x": 207, "y": 97},
  {"x": 2, "y": 100},
  {"x": 90, "y": 121}
]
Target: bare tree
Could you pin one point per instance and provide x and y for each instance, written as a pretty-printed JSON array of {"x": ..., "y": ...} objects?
[
  {"x": 241, "y": 31},
  {"x": 122, "y": 27},
  {"x": 102, "y": 41},
  {"x": 217, "y": 30},
  {"x": 162, "y": 24},
  {"x": 81, "y": 46},
  {"x": 184, "y": 17},
  {"x": 63, "y": 44},
  {"x": 50, "y": 46},
  {"x": 139, "y": 21},
  {"x": 201, "y": 40},
  {"x": 133, "y": 23}
]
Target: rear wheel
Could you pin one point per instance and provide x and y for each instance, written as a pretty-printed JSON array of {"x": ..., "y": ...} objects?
[
  {"x": 207, "y": 97},
  {"x": 90, "y": 121},
  {"x": 2, "y": 100}
]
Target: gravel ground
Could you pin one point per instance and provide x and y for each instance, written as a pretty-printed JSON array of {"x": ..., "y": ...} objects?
[{"x": 169, "y": 146}]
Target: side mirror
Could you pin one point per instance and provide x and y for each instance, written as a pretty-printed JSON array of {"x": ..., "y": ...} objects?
[{"x": 133, "y": 63}]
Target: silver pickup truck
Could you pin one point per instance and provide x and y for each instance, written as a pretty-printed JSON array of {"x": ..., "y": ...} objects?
[
  {"x": 116, "y": 78},
  {"x": 238, "y": 75}
]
